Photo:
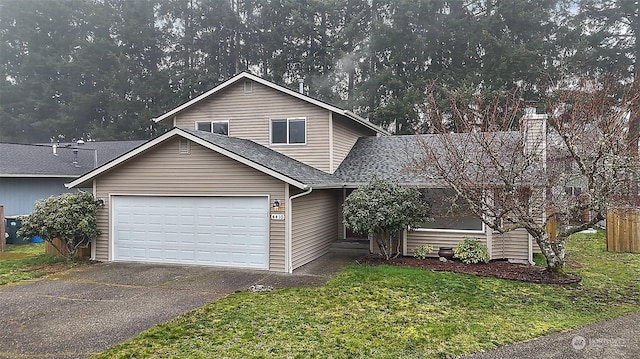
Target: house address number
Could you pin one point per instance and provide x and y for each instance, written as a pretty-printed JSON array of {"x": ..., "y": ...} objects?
[{"x": 277, "y": 216}]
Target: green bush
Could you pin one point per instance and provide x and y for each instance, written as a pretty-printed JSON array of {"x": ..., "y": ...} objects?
[
  {"x": 70, "y": 217},
  {"x": 385, "y": 209},
  {"x": 423, "y": 251},
  {"x": 470, "y": 250}
]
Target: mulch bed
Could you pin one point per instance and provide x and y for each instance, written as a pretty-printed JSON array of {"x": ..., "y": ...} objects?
[{"x": 497, "y": 269}]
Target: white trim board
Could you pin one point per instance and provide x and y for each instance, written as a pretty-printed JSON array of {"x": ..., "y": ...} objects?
[
  {"x": 179, "y": 132},
  {"x": 245, "y": 75}
]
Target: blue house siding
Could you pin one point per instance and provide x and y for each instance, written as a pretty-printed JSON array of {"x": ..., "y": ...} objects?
[{"x": 18, "y": 195}]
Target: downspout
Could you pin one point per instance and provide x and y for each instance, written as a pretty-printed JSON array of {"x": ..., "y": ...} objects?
[
  {"x": 93, "y": 242},
  {"x": 290, "y": 227},
  {"x": 529, "y": 240}
]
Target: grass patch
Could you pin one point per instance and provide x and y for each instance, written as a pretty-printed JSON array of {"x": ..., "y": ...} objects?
[
  {"x": 27, "y": 261},
  {"x": 539, "y": 260},
  {"x": 395, "y": 312}
]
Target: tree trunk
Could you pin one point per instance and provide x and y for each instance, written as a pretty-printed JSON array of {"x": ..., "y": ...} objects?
[
  {"x": 385, "y": 244},
  {"x": 553, "y": 251}
]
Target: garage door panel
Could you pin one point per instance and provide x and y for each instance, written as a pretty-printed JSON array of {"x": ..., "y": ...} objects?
[{"x": 223, "y": 231}]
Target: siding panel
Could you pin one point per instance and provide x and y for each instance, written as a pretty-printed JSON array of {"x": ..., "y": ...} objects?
[
  {"x": 249, "y": 116},
  {"x": 511, "y": 245},
  {"x": 162, "y": 171},
  {"x": 345, "y": 135},
  {"x": 313, "y": 225},
  {"x": 439, "y": 239},
  {"x": 18, "y": 195}
]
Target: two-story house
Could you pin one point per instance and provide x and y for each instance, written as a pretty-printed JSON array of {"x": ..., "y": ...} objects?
[{"x": 253, "y": 176}]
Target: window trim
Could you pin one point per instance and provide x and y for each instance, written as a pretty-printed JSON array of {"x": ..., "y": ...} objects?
[
  {"x": 289, "y": 119},
  {"x": 482, "y": 230},
  {"x": 444, "y": 230},
  {"x": 212, "y": 122}
]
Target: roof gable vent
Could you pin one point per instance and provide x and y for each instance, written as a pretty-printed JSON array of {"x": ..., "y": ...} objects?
[
  {"x": 184, "y": 147},
  {"x": 248, "y": 86}
]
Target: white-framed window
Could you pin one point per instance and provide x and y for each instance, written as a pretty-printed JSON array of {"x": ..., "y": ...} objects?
[
  {"x": 448, "y": 214},
  {"x": 219, "y": 127},
  {"x": 573, "y": 191},
  {"x": 288, "y": 131}
]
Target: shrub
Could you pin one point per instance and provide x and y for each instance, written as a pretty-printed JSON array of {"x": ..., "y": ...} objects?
[
  {"x": 471, "y": 251},
  {"x": 422, "y": 251},
  {"x": 384, "y": 208},
  {"x": 70, "y": 217}
]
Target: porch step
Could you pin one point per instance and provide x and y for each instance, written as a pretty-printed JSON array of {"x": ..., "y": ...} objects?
[{"x": 350, "y": 246}]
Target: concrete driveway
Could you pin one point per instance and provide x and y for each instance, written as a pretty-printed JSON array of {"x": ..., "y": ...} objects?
[{"x": 87, "y": 310}]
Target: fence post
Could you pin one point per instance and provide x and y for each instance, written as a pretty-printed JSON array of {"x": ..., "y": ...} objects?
[{"x": 3, "y": 231}]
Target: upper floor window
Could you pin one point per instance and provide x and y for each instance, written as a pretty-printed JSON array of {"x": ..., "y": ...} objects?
[
  {"x": 289, "y": 131},
  {"x": 220, "y": 127}
]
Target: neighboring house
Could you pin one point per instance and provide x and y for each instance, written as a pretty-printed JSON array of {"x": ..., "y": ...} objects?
[
  {"x": 253, "y": 176},
  {"x": 29, "y": 172}
]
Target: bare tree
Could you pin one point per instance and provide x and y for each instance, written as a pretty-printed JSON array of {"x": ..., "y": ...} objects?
[{"x": 515, "y": 168}]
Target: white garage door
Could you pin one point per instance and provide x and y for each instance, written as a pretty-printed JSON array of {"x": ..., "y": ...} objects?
[{"x": 221, "y": 231}]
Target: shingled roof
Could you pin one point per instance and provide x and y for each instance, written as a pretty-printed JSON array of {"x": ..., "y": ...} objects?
[
  {"x": 268, "y": 158},
  {"x": 28, "y": 160},
  {"x": 400, "y": 158},
  {"x": 245, "y": 151},
  {"x": 384, "y": 157}
]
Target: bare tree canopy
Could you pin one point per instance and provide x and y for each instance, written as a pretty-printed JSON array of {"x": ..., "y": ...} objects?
[{"x": 519, "y": 169}]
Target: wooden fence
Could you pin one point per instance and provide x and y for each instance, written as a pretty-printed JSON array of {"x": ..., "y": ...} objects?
[
  {"x": 50, "y": 249},
  {"x": 623, "y": 230},
  {"x": 552, "y": 223}
]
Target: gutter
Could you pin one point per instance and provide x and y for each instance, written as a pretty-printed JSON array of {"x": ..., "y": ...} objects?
[{"x": 289, "y": 246}]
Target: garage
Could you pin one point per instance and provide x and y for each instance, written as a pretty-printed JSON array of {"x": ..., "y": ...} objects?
[{"x": 218, "y": 231}]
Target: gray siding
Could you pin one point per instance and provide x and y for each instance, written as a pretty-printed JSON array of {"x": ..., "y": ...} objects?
[
  {"x": 510, "y": 245},
  {"x": 249, "y": 115},
  {"x": 438, "y": 239},
  {"x": 313, "y": 225},
  {"x": 18, "y": 195},
  {"x": 345, "y": 135},
  {"x": 162, "y": 171}
]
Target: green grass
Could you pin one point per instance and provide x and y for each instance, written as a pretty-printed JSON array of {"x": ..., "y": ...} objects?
[
  {"x": 393, "y": 312},
  {"x": 25, "y": 261}
]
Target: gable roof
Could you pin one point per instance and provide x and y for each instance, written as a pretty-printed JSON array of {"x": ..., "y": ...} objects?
[
  {"x": 29, "y": 160},
  {"x": 244, "y": 151},
  {"x": 247, "y": 76}
]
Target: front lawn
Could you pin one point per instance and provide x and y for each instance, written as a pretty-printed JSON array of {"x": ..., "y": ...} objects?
[
  {"x": 395, "y": 312},
  {"x": 27, "y": 261}
]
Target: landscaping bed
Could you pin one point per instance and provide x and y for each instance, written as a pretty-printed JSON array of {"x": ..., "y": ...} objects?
[{"x": 496, "y": 269}]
